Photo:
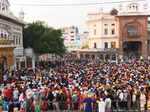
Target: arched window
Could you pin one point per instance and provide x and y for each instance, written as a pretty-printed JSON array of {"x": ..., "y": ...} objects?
[
  {"x": 113, "y": 31},
  {"x": 2, "y": 35},
  {"x": 133, "y": 30},
  {"x": 106, "y": 31},
  {"x": 94, "y": 31},
  {"x": 19, "y": 40},
  {"x": 16, "y": 40},
  {"x": 113, "y": 44},
  {"x": 95, "y": 45},
  {"x": 5, "y": 36},
  {"x": 106, "y": 45}
]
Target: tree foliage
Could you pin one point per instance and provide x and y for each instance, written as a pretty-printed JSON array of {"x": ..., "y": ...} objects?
[
  {"x": 43, "y": 39},
  {"x": 85, "y": 46}
]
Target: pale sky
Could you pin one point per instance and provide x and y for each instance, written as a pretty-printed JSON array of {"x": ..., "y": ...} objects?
[{"x": 60, "y": 16}]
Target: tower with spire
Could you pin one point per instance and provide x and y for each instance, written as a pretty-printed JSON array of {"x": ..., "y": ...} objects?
[{"x": 4, "y": 6}]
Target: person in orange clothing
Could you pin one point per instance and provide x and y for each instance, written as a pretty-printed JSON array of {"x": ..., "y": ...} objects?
[
  {"x": 5, "y": 93},
  {"x": 148, "y": 101},
  {"x": 69, "y": 99}
]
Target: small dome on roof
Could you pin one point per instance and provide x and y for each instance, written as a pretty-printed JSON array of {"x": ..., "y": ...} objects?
[
  {"x": 133, "y": 7},
  {"x": 114, "y": 11}
]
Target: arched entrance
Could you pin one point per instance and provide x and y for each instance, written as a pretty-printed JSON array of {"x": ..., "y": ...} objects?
[
  {"x": 3, "y": 62},
  {"x": 3, "y": 65},
  {"x": 132, "y": 49},
  {"x": 93, "y": 56},
  {"x": 87, "y": 56}
]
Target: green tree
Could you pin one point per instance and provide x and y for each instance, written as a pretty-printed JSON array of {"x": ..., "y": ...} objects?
[{"x": 43, "y": 39}]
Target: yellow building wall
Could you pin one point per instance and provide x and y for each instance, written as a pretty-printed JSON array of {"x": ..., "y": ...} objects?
[{"x": 7, "y": 52}]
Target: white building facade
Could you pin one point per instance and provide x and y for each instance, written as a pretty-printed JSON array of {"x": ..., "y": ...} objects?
[
  {"x": 70, "y": 35},
  {"x": 102, "y": 30},
  {"x": 11, "y": 28}
]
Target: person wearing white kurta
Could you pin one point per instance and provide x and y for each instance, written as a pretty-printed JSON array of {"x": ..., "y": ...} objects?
[
  {"x": 107, "y": 104},
  {"x": 142, "y": 101},
  {"x": 101, "y": 106}
]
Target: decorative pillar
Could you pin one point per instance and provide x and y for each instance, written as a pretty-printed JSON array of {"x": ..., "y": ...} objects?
[
  {"x": 19, "y": 64},
  {"x": 33, "y": 62},
  {"x": 25, "y": 61},
  {"x": 15, "y": 63}
]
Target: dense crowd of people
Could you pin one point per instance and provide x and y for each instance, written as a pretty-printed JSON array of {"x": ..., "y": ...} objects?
[{"x": 81, "y": 85}]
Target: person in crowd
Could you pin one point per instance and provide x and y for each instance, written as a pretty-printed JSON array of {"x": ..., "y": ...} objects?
[
  {"x": 107, "y": 104},
  {"x": 148, "y": 102},
  {"x": 142, "y": 101},
  {"x": 101, "y": 105},
  {"x": 88, "y": 104},
  {"x": 1, "y": 101},
  {"x": 134, "y": 99},
  {"x": 129, "y": 100}
]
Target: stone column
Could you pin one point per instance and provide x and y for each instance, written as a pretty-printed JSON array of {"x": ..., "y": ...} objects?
[
  {"x": 144, "y": 49},
  {"x": 15, "y": 63},
  {"x": 104, "y": 57},
  {"x": 19, "y": 63},
  {"x": 33, "y": 62},
  {"x": 25, "y": 61}
]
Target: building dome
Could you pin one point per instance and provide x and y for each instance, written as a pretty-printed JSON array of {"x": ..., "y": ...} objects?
[{"x": 114, "y": 11}]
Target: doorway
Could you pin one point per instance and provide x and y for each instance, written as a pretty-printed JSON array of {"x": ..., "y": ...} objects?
[{"x": 132, "y": 49}]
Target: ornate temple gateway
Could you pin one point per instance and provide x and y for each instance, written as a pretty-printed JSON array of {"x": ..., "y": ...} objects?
[{"x": 11, "y": 39}]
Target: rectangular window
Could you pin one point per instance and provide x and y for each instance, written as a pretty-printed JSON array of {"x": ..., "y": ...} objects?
[
  {"x": 105, "y": 31},
  {"x": 95, "y": 46},
  {"x": 148, "y": 44},
  {"x": 113, "y": 44},
  {"x": 14, "y": 40},
  {"x": 132, "y": 32},
  {"x": 113, "y": 31},
  {"x": 19, "y": 41},
  {"x": 94, "y": 31},
  {"x": 106, "y": 45}
]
